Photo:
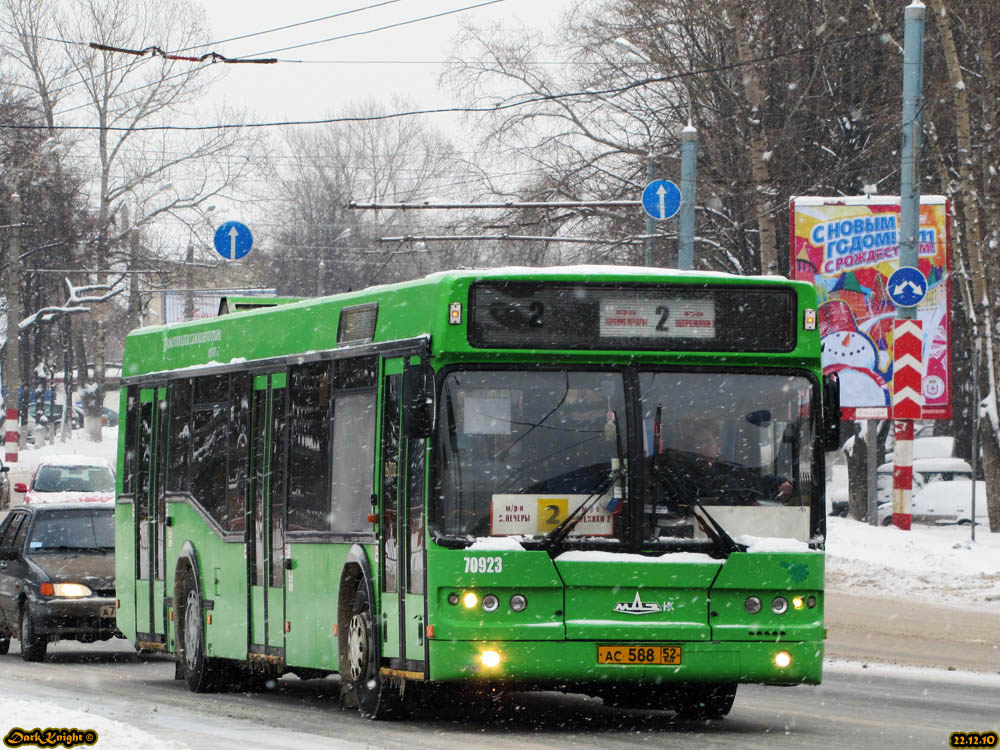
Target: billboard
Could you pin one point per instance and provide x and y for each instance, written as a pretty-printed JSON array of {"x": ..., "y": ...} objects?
[{"x": 848, "y": 248}]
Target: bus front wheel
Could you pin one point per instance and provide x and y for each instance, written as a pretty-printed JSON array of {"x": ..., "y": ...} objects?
[
  {"x": 376, "y": 698},
  {"x": 202, "y": 674},
  {"x": 706, "y": 701}
]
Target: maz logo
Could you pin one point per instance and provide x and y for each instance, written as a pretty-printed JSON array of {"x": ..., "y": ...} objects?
[{"x": 638, "y": 607}]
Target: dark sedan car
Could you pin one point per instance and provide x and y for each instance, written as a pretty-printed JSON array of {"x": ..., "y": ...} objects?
[{"x": 57, "y": 568}]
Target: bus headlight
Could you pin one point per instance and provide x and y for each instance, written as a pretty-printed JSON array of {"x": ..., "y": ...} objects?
[
  {"x": 518, "y": 603},
  {"x": 470, "y": 600},
  {"x": 752, "y": 605},
  {"x": 779, "y": 605},
  {"x": 782, "y": 659},
  {"x": 490, "y": 658},
  {"x": 490, "y": 603}
]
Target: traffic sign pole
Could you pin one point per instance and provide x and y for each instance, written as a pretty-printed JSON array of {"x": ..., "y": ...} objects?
[{"x": 905, "y": 351}]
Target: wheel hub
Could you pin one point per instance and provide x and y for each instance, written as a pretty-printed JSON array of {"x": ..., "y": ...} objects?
[
  {"x": 192, "y": 630},
  {"x": 357, "y": 646}
]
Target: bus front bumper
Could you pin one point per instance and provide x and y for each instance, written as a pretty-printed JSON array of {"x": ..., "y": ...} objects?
[{"x": 567, "y": 662}]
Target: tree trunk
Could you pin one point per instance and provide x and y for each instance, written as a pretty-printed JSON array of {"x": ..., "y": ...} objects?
[{"x": 759, "y": 157}]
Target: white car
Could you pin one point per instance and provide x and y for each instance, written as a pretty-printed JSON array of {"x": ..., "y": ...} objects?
[
  {"x": 925, "y": 472},
  {"x": 70, "y": 478},
  {"x": 943, "y": 502}
]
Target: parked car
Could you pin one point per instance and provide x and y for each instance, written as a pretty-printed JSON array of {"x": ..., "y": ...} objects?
[
  {"x": 942, "y": 502},
  {"x": 925, "y": 471},
  {"x": 70, "y": 478},
  {"x": 57, "y": 576}
]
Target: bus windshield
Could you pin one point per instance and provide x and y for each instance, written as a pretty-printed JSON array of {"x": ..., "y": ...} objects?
[{"x": 519, "y": 451}]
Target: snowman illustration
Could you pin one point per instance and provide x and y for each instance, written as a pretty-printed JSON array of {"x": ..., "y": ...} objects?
[{"x": 853, "y": 356}]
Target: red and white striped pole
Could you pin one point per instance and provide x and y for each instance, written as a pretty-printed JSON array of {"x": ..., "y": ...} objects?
[
  {"x": 11, "y": 436},
  {"x": 907, "y": 404}
]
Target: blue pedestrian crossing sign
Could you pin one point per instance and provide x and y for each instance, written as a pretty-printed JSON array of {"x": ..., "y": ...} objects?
[
  {"x": 906, "y": 287},
  {"x": 233, "y": 240},
  {"x": 661, "y": 199}
]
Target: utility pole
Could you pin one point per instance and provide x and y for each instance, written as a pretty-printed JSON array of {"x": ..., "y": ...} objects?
[
  {"x": 189, "y": 283},
  {"x": 689, "y": 171},
  {"x": 647, "y": 244},
  {"x": 907, "y": 326},
  {"x": 12, "y": 365}
]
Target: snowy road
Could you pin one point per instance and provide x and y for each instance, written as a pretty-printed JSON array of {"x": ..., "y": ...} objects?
[{"x": 132, "y": 702}]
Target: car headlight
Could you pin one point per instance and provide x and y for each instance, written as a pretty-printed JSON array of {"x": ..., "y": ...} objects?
[{"x": 69, "y": 590}]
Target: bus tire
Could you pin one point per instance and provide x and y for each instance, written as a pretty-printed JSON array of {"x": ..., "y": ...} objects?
[
  {"x": 705, "y": 701},
  {"x": 376, "y": 698},
  {"x": 4, "y": 644},
  {"x": 33, "y": 645},
  {"x": 202, "y": 674}
]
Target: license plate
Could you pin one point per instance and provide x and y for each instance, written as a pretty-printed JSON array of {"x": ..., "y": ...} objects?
[
  {"x": 638, "y": 654},
  {"x": 108, "y": 611}
]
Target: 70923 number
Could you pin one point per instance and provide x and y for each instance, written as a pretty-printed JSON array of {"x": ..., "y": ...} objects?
[{"x": 483, "y": 564}]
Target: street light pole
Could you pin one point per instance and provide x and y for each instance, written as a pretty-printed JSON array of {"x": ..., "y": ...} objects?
[
  {"x": 12, "y": 366},
  {"x": 647, "y": 245}
]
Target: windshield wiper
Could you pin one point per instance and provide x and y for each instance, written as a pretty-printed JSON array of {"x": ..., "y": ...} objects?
[
  {"x": 560, "y": 532},
  {"x": 713, "y": 528}
]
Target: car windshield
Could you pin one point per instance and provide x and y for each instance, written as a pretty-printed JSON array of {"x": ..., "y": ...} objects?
[
  {"x": 62, "y": 478},
  {"x": 84, "y": 529},
  {"x": 518, "y": 452}
]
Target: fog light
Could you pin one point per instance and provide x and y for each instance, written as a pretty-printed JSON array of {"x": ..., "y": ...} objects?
[
  {"x": 518, "y": 603},
  {"x": 797, "y": 602},
  {"x": 470, "y": 600},
  {"x": 490, "y": 658},
  {"x": 779, "y": 605},
  {"x": 752, "y": 605},
  {"x": 782, "y": 659},
  {"x": 453, "y": 599},
  {"x": 490, "y": 603}
]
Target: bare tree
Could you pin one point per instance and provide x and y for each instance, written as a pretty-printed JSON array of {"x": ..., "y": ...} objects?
[
  {"x": 118, "y": 96},
  {"x": 325, "y": 247}
]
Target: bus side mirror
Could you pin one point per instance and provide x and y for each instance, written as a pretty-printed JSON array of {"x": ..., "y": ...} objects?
[
  {"x": 831, "y": 412},
  {"x": 418, "y": 401}
]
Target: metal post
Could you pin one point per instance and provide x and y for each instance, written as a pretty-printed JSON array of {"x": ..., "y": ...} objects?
[
  {"x": 689, "y": 171},
  {"x": 975, "y": 435},
  {"x": 12, "y": 367},
  {"x": 909, "y": 195},
  {"x": 647, "y": 244},
  {"x": 909, "y": 236},
  {"x": 872, "y": 478}
]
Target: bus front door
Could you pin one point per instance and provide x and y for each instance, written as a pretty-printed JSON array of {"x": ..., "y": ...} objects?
[
  {"x": 401, "y": 535},
  {"x": 266, "y": 520},
  {"x": 150, "y": 512}
]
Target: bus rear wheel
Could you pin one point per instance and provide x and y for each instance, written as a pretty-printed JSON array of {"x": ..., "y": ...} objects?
[
  {"x": 376, "y": 698},
  {"x": 202, "y": 674}
]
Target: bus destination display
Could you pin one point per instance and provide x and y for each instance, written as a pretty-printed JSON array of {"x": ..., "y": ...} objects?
[
  {"x": 559, "y": 315},
  {"x": 675, "y": 317}
]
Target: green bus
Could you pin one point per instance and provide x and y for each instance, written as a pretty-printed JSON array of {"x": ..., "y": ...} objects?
[{"x": 487, "y": 478}]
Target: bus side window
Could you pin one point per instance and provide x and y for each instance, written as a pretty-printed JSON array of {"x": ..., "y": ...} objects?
[{"x": 310, "y": 391}]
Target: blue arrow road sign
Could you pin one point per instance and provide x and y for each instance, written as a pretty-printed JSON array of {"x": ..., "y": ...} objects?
[
  {"x": 233, "y": 240},
  {"x": 907, "y": 286},
  {"x": 661, "y": 199}
]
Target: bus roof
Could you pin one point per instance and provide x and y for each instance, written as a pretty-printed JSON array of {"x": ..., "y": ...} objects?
[{"x": 404, "y": 310}]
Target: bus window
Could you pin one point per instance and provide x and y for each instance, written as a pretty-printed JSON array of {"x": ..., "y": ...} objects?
[{"x": 309, "y": 447}]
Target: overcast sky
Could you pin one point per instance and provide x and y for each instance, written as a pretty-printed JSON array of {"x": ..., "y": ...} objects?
[{"x": 397, "y": 62}]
